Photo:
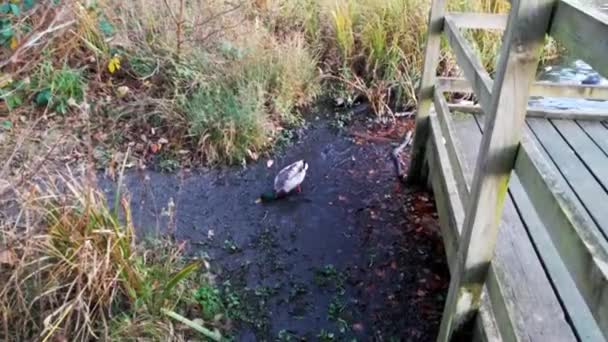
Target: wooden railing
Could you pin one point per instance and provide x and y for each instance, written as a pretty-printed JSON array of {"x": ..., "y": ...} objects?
[{"x": 504, "y": 101}]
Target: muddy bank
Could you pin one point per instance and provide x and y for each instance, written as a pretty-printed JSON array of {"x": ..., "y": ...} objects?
[{"x": 355, "y": 255}]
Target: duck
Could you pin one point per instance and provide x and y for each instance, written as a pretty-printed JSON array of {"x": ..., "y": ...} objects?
[{"x": 288, "y": 179}]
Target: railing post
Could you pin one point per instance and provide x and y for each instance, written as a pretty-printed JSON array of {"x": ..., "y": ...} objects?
[
  {"x": 522, "y": 45},
  {"x": 425, "y": 90}
]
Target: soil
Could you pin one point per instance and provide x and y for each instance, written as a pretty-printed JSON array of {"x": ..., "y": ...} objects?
[{"x": 355, "y": 255}]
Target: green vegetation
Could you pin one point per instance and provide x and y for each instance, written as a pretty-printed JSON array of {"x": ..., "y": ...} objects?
[
  {"x": 77, "y": 271},
  {"x": 222, "y": 81},
  {"x": 179, "y": 83}
]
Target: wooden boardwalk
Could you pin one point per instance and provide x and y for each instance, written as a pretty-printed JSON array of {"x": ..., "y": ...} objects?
[{"x": 524, "y": 208}]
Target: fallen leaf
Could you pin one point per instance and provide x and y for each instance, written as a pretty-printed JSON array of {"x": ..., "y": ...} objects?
[
  {"x": 114, "y": 64},
  {"x": 163, "y": 141},
  {"x": 8, "y": 257},
  {"x": 14, "y": 43},
  {"x": 122, "y": 91},
  {"x": 154, "y": 148}
]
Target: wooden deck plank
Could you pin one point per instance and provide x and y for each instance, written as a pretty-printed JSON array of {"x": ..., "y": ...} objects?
[
  {"x": 519, "y": 274},
  {"x": 590, "y": 193},
  {"x": 542, "y": 89},
  {"x": 447, "y": 130},
  {"x": 581, "y": 246},
  {"x": 574, "y": 304},
  {"x": 451, "y": 216},
  {"x": 449, "y": 206},
  {"x": 586, "y": 149},
  {"x": 597, "y": 132}
]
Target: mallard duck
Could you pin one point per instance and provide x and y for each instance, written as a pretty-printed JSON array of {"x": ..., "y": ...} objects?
[{"x": 288, "y": 179}]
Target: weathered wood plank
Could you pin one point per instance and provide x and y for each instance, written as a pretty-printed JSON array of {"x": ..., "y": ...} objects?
[
  {"x": 469, "y": 62},
  {"x": 583, "y": 30},
  {"x": 449, "y": 207},
  {"x": 590, "y": 193},
  {"x": 586, "y": 149},
  {"x": 445, "y": 120},
  {"x": 478, "y": 20},
  {"x": 451, "y": 216},
  {"x": 583, "y": 249},
  {"x": 597, "y": 132},
  {"x": 533, "y": 112},
  {"x": 543, "y": 89},
  {"x": 578, "y": 91},
  {"x": 575, "y": 306},
  {"x": 425, "y": 92},
  {"x": 516, "y": 267},
  {"x": 486, "y": 327},
  {"x": 521, "y": 48}
]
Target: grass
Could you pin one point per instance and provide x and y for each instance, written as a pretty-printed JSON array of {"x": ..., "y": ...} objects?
[
  {"x": 78, "y": 271},
  {"x": 221, "y": 80},
  {"x": 177, "y": 83}
]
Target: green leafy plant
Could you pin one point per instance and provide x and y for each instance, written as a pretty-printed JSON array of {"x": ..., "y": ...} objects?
[
  {"x": 57, "y": 88},
  {"x": 210, "y": 300}
]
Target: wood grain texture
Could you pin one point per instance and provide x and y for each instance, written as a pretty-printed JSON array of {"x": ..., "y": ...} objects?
[
  {"x": 517, "y": 271},
  {"x": 580, "y": 244},
  {"x": 451, "y": 216},
  {"x": 448, "y": 139},
  {"x": 425, "y": 91},
  {"x": 597, "y": 132},
  {"x": 534, "y": 112},
  {"x": 521, "y": 48},
  {"x": 590, "y": 193}
]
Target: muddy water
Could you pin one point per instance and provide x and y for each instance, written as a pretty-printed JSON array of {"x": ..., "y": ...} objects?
[{"x": 355, "y": 254}]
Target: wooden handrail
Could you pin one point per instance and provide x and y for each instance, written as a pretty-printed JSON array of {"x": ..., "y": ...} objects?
[
  {"x": 506, "y": 105},
  {"x": 469, "y": 63},
  {"x": 475, "y": 20},
  {"x": 544, "y": 89},
  {"x": 505, "y": 102}
]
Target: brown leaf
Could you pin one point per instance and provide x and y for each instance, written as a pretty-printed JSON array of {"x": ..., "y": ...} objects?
[
  {"x": 154, "y": 148},
  {"x": 8, "y": 257}
]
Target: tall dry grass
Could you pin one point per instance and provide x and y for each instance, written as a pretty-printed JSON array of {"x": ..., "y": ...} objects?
[
  {"x": 71, "y": 268},
  {"x": 171, "y": 51}
]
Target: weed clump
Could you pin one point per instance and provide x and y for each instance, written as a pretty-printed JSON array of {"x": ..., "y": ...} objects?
[{"x": 78, "y": 272}]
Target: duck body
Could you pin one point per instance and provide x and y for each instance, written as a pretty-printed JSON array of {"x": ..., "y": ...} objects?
[{"x": 288, "y": 179}]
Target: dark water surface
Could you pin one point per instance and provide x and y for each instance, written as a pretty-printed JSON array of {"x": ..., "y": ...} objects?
[{"x": 356, "y": 254}]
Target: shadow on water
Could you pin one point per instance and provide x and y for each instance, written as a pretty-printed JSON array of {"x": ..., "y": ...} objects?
[{"x": 355, "y": 254}]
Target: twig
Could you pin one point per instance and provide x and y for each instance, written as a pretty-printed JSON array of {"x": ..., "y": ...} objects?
[
  {"x": 214, "y": 335},
  {"x": 397, "y": 151}
]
